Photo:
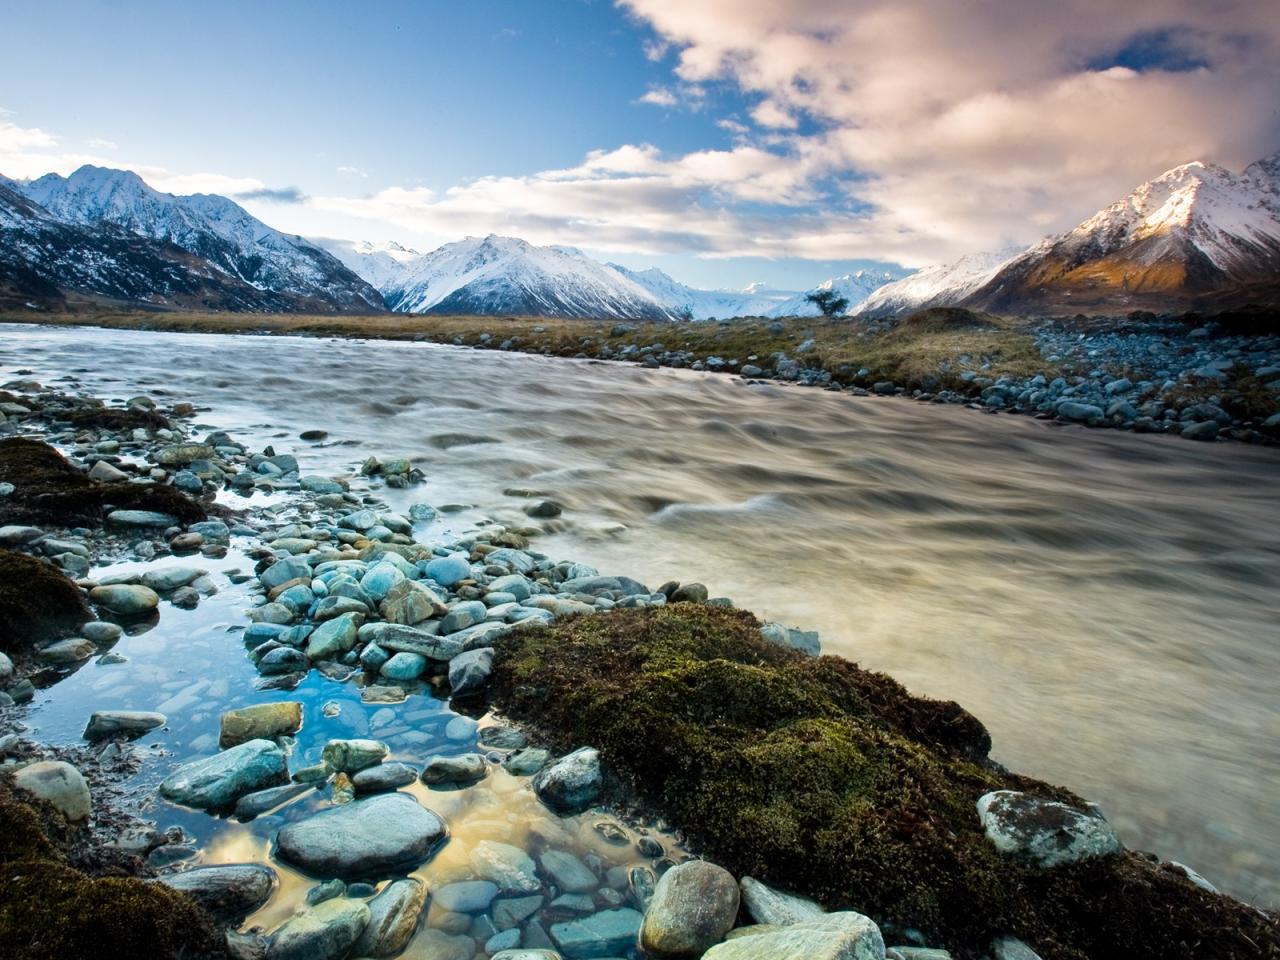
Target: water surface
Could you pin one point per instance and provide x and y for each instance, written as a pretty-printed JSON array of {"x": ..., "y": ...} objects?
[{"x": 1108, "y": 604}]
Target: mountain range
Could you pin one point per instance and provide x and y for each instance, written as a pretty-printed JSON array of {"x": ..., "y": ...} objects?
[{"x": 1197, "y": 236}]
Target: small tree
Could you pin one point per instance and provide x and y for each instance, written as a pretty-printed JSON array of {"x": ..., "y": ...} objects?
[{"x": 828, "y": 301}]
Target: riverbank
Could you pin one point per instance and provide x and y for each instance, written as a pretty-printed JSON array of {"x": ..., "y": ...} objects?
[
  {"x": 497, "y": 564},
  {"x": 1202, "y": 380}
]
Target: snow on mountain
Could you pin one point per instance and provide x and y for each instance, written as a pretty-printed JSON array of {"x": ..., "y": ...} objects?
[
  {"x": 936, "y": 286},
  {"x": 212, "y": 227},
  {"x": 505, "y": 275},
  {"x": 383, "y": 266},
  {"x": 854, "y": 287},
  {"x": 1196, "y": 234},
  {"x": 689, "y": 302}
]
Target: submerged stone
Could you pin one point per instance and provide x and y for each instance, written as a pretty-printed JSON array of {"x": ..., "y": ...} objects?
[
  {"x": 370, "y": 837},
  {"x": 218, "y": 781},
  {"x": 229, "y": 891}
]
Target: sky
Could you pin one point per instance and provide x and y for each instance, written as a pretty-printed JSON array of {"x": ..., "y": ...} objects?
[{"x": 726, "y": 141}]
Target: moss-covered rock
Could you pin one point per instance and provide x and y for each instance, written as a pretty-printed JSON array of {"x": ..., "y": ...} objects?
[
  {"x": 48, "y": 489},
  {"x": 37, "y": 602},
  {"x": 821, "y": 777}
]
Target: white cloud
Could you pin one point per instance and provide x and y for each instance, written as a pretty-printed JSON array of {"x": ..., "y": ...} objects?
[
  {"x": 98, "y": 143},
  {"x": 659, "y": 97},
  {"x": 352, "y": 172},
  {"x": 967, "y": 125}
]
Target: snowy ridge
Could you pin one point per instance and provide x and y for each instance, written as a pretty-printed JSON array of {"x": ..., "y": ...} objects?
[
  {"x": 689, "y": 302},
  {"x": 937, "y": 286},
  {"x": 854, "y": 287},
  {"x": 209, "y": 226}
]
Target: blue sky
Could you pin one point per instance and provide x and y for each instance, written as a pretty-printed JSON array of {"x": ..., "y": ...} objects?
[{"x": 727, "y": 141}]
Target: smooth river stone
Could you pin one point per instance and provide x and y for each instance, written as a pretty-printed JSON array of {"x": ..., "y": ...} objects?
[
  {"x": 694, "y": 906},
  {"x": 352, "y": 756},
  {"x": 229, "y": 891},
  {"x": 382, "y": 834},
  {"x": 604, "y": 934},
  {"x": 215, "y": 782},
  {"x": 121, "y": 723},
  {"x": 833, "y": 936},
  {"x": 263, "y": 721},
  {"x": 125, "y": 598},
  {"x": 767, "y": 905},
  {"x": 58, "y": 783},
  {"x": 393, "y": 918},
  {"x": 324, "y": 932}
]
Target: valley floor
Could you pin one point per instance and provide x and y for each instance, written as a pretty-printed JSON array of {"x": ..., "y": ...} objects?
[{"x": 1216, "y": 381}]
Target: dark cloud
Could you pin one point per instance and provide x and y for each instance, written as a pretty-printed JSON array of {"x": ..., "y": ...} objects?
[{"x": 274, "y": 195}]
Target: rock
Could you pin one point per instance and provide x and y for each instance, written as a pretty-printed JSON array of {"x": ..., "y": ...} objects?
[
  {"x": 569, "y": 873},
  {"x": 833, "y": 936},
  {"x": 263, "y": 801},
  {"x": 283, "y": 660},
  {"x": 13, "y": 536},
  {"x": 171, "y": 578},
  {"x": 806, "y": 641},
  {"x": 404, "y": 666},
  {"x": 6, "y": 667},
  {"x": 393, "y": 919},
  {"x": 334, "y": 637},
  {"x": 72, "y": 650},
  {"x": 526, "y": 762},
  {"x": 409, "y": 602},
  {"x": 324, "y": 932},
  {"x": 370, "y": 837},
  {"x": 377, "y": 583},
  {"x": 1078, "y": 412},
  {"x": 106, "y": 473},
  {"x": 432, "y": 944},
  {"x": 121, "y": 723},
  {"x": 544, "y": 510},
  {"x": 469, "y": 672},
  {"x": 1203, "y": 430},
  {"x": 181, "y": 454},
  {"x": 509, "y": 867},
  {"x": 513, "y": 911},
  {"x": 449, "y": 570},
  {"x": 608, "y": 933},
  {"x": 127, "y": 599},
  {"x": 767, "y": 905},
  {"x": 385, "y": 776},
  {"x": 524, "y": 954},
  {"x": 572, "y": 783},
  {"x": 466, "y": 896},
  {"x": 694, "y": 906},
  {"x": 58, "y": 783},
  {"x": 463, "y": 615},
  {"x": 352, "y": 756},
  {"x": 263, "y": 721},
  {"x": 101, "y": 631},
  {"x": 690, "y": 593},
  {"x": 229, "y": 891},
  {"x": 1011, "y": 948},
  {"x": 1044, "y": 833},
  {"x": 218, "y": 781},
  {"x": 284, "y": 571},
  {"x": 464, "y": 769}
]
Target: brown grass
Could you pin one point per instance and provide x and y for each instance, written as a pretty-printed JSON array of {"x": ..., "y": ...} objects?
[{"x": 927, "y": 350}]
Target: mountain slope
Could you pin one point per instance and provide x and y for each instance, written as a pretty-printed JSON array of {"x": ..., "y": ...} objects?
[
  {"x": 217, "y": 231},
  {"x": 854, "y": 287},
  {"x": 694, "y": 304},
  {"x": 1198, "y": 235},
  {"x": 504, "y": 275},
  {"x": 43, "y": 259},
  {"x": 938, "y": 286}
]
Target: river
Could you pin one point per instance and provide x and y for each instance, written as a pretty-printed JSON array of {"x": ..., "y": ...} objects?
[{"x": 1107, "y": 604}]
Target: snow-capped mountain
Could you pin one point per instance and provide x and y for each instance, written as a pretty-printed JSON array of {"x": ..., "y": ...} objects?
[
  {"x": 46, "y": 260},
  {"x": 682, "y": 300},
  {"x": 212, "y": 228},
  {"x": 381, "y": 265},
  {"x": 505, "y": 275},
  {"x": 1196, "y": 235},
  {"x": 938, "y": 286},
  {"x": 854, "y": 287}
]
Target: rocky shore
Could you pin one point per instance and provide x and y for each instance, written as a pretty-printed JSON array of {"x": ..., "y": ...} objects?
[{"x": 667, "y": 776}]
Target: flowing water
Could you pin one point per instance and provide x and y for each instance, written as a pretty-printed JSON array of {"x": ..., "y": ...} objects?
[{"x": 1108, "y": 604}]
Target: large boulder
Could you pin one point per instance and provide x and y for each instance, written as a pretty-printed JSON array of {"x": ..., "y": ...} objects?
[
  {"x": 372, "y": 837},
  {"x": 767, "y": 905},
  {"x": 693, "y": 907},
  {"x": 1044, "y": 833},
  {"x": 216, "y": 782}
]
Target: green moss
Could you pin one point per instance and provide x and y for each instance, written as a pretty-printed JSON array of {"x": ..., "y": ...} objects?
[
  {"x": 48, "y": 489},
  {"x": 37, "y": 602},
  {"x": 819, "y": 776},
  {"x": 50, "y": 911},
  {"x": 116, "y": 420}
]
